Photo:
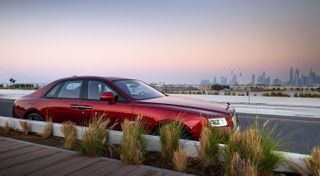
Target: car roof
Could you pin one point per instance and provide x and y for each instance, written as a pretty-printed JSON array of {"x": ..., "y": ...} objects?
[{"x": 108, "y": 78}]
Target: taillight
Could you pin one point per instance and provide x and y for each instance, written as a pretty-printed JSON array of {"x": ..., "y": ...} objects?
[{"x": 229, "y": 121}]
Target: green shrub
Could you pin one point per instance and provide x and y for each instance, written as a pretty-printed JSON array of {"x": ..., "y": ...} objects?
[
  {"x": 241, "y": 167},
  {"x": 169, "y": 138},
  {"x": 7, "y": 127},
  {"x": 209, "y": 145},
  {"x": 95, "y": 136},
  {"x": 133, "y": 144},
  {"x": 255, "y": 145},
  {"x": 69, "y": 131},
  {"x": 180, "y": 160},
  {"x": 47, "y": 130},
  {"x": 312, "y": 164},
  {"x": 25, "y": 127},
  {"x": 275, "y": 94}
]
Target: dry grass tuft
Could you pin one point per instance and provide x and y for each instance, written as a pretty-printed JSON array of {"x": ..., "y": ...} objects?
[
  {"x": 313, "y": 163},
  {"x": 169, "y": 138},
  {"x": 241, "y": 167},
  {"x": 254, "y": 145},
  {"x": 95, "y": 137},
  {"x": 132, "y": 146},
  {"x": 7, "y": 128},
  {"x": 69, "y": 131},
  {"x": 47, "y": 131},
  {"x": 209, "y": 145},
  {"x": 180, "y": 160},
  {"x": 25, "y": 127}
]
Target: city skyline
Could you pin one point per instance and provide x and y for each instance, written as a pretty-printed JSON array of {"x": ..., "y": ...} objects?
[
  {"x": 295, "y": 77},
  {"x": 164, "y": 41}
]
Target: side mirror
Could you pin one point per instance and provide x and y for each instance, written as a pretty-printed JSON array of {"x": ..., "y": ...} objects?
[{"x": 108, "y": 96}]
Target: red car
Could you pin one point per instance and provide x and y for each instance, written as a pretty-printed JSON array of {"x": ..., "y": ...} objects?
[{"x": 78, "y": 98}]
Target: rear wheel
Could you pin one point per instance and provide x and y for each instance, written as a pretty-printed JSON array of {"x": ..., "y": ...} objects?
[{"x": 34, "y": 116}]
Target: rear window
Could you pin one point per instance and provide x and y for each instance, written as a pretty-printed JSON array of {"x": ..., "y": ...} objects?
[
  {"x": 52, "y": 92},
  {"x": 70, "y": 89}
]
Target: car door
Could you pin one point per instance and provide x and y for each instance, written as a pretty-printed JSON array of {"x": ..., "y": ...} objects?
[
  {"x": 66, "y": 103},
  {"x": 116, "y": 111}
]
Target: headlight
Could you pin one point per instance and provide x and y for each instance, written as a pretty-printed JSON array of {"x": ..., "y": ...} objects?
[{"x": 218, "y": 122}]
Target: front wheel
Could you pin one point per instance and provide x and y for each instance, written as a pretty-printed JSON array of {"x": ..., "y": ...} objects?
[
  {"x": 184, "y": 133},
  {"x": 34, "y": 116}
]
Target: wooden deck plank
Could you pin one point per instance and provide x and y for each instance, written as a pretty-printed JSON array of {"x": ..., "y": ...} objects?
[
  {"x": 88, "y": 170},
  {"x": 17, "y": 152},
  {"x": 139, "y": 171},
  {"x": 20, "y": 158},
  {"x": 41, "y": 163},
  {"x": 57, "y": 167},
  {"x": 4, "y": 142},
  {"x": 26, "y": 157},
  {"x": 11, "y": 146},
  {"x": 122, "y": 171},
  {"x": 175, "y": 174},
  {"x": 154, "y": 173},
  {"x": 76, "y": 166},
  {"x": 109, "y": 167},
  {"x": 18, "y": 167}
]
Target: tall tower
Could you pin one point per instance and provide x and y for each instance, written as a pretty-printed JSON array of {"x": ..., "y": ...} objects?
[
  {"x": 253, "y": 79},
  {"x": 296, "y": 77},
  {"x": 291, "y": 76}
]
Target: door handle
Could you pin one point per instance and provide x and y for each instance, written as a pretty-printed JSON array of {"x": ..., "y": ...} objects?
[
  {"x": 80, "y": 107},
  {"x": 85, "y": 107}
]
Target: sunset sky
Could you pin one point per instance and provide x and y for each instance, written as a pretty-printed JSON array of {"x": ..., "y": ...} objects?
[{"x": 176, "y": 41}]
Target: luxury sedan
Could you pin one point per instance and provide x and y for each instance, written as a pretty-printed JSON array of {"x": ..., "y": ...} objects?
[{"x": 78, "y": 98}]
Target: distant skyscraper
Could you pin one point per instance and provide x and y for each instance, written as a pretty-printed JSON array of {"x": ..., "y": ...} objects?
[
  {"x": 267, "y": 81},
  {"x": 253, "y": 79},
  {"x": 296, "y": 77},
  {"x": 291, "y": 76},
  {"x": 277, "y": 82},
  {"x": 304, "y": 80},
  {"x": 312, "y": 77},
  {"x": 234, "y": 80},
  {"x": 224, "y": 80},
  {"x": 263, "y": 79},
  {"x": 214, "y": 81},
  {"x": 240, "y": 79}
]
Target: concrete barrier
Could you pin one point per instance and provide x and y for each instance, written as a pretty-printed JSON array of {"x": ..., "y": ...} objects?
[{"x": 153, "y": 142}]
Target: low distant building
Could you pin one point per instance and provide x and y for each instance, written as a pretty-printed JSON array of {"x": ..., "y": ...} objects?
[
  {"x": 22, "y": 86},
  {"x": 276, "y": 82}
]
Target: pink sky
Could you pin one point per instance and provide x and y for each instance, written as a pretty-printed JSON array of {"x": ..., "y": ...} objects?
[{"x": 42, "y": 45}]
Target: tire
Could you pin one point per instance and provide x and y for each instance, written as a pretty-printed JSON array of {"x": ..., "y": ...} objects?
[
  {"x": 34, "y": 116},
  {"x": 185, "y": 134}
]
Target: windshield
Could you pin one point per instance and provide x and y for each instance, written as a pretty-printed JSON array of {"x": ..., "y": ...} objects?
[{"x": 138, "y": 90}]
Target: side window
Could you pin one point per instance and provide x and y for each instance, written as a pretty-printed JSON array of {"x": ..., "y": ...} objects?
[
  {"x": 96, "y": 88},
  {"x": 52, "y": 92},
  {"x": 70, "y": 89}
]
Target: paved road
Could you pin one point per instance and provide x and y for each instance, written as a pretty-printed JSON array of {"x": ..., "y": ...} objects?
[{"x": 299, "y": 134}]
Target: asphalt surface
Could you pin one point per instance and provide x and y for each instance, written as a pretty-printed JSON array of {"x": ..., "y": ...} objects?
[{"x": 298, "y": 134}]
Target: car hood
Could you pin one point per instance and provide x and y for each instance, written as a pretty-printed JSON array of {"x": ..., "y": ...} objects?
[{"x": 191, "y": 103}]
